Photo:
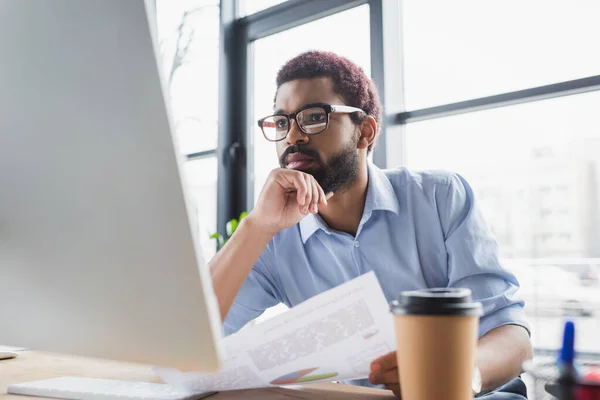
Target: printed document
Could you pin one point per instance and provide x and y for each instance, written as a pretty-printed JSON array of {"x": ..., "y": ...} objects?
[{"x": 333, "y": 336}]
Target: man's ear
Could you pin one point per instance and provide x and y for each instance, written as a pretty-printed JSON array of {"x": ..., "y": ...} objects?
[{"x": 368, "y": 132}]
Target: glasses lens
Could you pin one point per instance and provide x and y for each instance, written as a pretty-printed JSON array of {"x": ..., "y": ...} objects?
[
  {"x": 312, "y": 120},
  {"x": 275, "y": 127}
]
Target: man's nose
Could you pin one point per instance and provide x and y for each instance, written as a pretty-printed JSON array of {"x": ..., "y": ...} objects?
[{"x": 295, "y": 135}]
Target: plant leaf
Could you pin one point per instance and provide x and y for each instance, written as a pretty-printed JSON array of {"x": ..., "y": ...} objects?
[
  {"x": 243, "y": 215},
  {"x": 231, "y": 227},
  {"x": 215, "y": 235}
]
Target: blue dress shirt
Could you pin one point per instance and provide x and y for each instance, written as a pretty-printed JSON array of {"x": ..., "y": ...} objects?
[{"x": 419, "y": 229}]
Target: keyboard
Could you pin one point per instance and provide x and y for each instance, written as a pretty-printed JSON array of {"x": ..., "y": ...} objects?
[{"x": 101, "y": 389}]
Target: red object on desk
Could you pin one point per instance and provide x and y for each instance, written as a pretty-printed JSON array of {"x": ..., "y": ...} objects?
[
  {"x": 591, "y": 391},
  {"x": 593, "y": 375},
  {"x": 587, "y": 393}
]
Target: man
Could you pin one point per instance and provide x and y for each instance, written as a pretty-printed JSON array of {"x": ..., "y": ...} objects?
[{"x": 329, "y": 215}]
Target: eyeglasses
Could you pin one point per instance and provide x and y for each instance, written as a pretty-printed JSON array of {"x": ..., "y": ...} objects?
[{"x": 311, "y": 120}]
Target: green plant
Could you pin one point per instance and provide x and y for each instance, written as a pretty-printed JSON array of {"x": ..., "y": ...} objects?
[{"x": 230, "y": 228}]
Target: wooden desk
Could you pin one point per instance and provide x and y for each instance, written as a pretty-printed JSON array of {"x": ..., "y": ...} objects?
[{"x": 34, "y": 365}]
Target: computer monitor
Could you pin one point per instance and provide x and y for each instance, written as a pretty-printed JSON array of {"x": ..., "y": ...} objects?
[{"x": 97, "y": 249}]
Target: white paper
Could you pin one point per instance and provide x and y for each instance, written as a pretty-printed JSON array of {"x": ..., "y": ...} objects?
[
  {"x": 331, "y": 337},
  {"x": 11, "y": 348}
]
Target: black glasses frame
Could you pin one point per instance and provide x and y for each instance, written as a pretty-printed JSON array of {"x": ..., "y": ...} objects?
[{"x": 326, "y": 107}]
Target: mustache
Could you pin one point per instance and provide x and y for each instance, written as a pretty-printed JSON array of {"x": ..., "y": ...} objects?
[{"x": 307, "y": 151}]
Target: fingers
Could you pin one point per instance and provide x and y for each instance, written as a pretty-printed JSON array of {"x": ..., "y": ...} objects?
[
  {"x": 384, "y": 363},
  {"x": 387, "y": 377},
  {"x": 292, "y": 181},
  {"x": 394, "y": 387},
  {"x": 322, "y": 196},
  {"x": 309, "y": 195},
  {"x": 384, "y": 370},
  {"x": 316, "y": 196}
]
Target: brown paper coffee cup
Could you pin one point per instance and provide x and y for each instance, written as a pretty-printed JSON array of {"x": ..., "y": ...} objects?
[{"x": 436, "y": 331}]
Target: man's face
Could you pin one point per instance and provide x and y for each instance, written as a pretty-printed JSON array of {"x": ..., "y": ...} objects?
[{"x": 330, "y": 156}]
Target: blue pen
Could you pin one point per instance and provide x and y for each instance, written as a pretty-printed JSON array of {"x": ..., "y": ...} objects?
[{"x": 567, "y": 373}]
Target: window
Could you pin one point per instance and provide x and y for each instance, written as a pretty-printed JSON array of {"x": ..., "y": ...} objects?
[
  {"x": 545, "y": 212},
  {"x": 495, "y": 149},
  {"x": 565, "y": 236},
  {"x": 536, "y": 214},
  {"x": 248, "y": 7},
  {"x": 189, "y": 46},
  {"x": 458, "y": 50},
  {"x": 200, "y": 176},
  {"x": 351, "y": 40}
]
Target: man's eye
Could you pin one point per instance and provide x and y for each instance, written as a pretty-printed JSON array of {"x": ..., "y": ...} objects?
[
  {"x": 282, "y": 123},
  {"x": 317, "y": 117}
]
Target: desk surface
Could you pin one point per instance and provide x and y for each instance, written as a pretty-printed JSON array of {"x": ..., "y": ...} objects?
[{"x": 34, "y": 365}]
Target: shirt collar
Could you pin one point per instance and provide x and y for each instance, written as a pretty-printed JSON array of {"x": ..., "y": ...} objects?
[{"x": 380, "y": 196}]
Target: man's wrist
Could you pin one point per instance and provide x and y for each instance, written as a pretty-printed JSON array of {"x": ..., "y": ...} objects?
[{"x": 254, "y": 225}]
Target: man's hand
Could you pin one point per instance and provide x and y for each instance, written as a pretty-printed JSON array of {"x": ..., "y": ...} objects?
[
  {"x": 288, "y": 196},
  {"x": 384, "y": 370}
]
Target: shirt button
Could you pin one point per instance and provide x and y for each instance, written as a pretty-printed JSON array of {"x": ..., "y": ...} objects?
[{"x": 356, "y": 243}]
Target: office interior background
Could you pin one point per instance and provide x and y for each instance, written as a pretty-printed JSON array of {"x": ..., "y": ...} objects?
[{"x": 503, "y": 92}]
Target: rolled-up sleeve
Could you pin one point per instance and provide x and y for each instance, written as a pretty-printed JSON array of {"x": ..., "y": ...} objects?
[
  {"x": 256, "y": 295},
  {"x": 473, "y": 259}
]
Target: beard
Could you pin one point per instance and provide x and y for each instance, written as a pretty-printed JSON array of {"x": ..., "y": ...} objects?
[{"x": 335, "y": 175}]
